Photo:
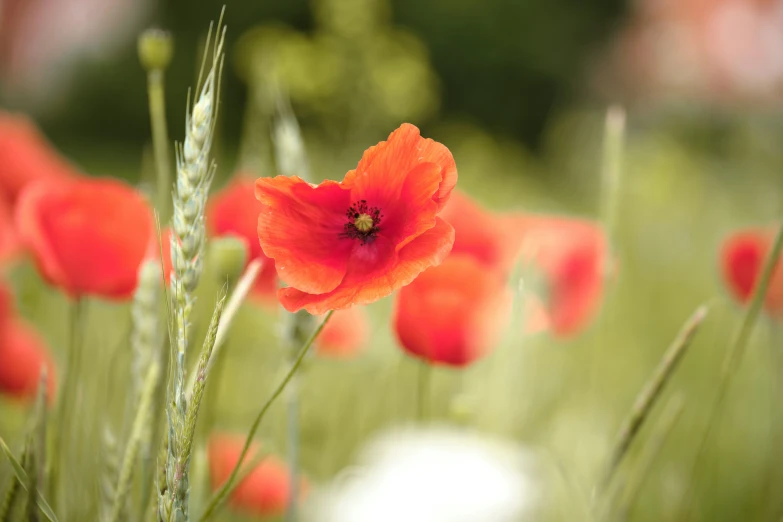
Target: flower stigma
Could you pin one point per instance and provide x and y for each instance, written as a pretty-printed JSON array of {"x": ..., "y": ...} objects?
[{"x": 363, "y": 222}]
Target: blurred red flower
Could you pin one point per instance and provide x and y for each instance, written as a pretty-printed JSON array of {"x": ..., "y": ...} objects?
[
  {"x": 87, "y": 236},
  {"x": 23, "y": 355},
  {"x": 356, "y": 241},
  {"x": 485, "y": 236},
  {"x": 742, "y": 259},
  {"x": 570, "y": 257},
  {"x": 452, "y": 314},
  {"x": 345, "y": 334},
  {"x": 234, "y": 212},
  {"x": 26, "y": 157},
  {"x": 265, "y": 491}
]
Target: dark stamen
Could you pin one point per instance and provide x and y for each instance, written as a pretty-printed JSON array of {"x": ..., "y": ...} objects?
[{"x": 363, "y": 222}]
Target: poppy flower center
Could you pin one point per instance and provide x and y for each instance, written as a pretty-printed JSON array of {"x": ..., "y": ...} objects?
[{"x": 363, "y": 222}]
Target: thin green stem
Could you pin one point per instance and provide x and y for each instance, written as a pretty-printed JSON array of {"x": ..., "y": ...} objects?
[
  {"x": 292, "y": 428},
  {"x": 733, "y": 359},
  {"x": 160, "y": 140},
  {"x": 423, "y": 391},
  {"x": 649, "y": 395},
  {"x": 651, "y": 451},
  {"x": 67, "y": 398},
  {"x": 218, "y": 498}
]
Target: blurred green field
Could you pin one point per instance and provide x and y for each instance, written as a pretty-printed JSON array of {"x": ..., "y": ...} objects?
[{"x": 564, "y": 399}]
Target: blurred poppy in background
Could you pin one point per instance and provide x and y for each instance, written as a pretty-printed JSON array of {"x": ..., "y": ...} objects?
[
  {"x": 345, "y": 335},
  {"x": 489, "y": 238},
  {"x": 23, "y": 355},
  {"x": 356, "y": 241},
  {"x": 742, "y": 258},
  {"x": 568, "y": 259},
  {"x": 264, "y": 491},
  {"x": 234, "y": 211},
  {"x": 452, "y": 314},
  {"x": 26, "y": 157},
  {"x": 88, "y": 236}
]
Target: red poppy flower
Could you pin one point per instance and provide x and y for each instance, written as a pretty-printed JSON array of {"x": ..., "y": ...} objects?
[
  {"x": 87, "y": 236},
  {"x": 452, "y": 314},
  {"x": 26, "y": 157},
  {"x": 23, "y": 355},
  {"x": 265, "y": 491},
  {"x": 570, "y": 255},
  {"x": 742, "y": 258},
  {"x": 345, "y": 334},
  {"x": 356, "y": 241},
  {"x": 234, "y": 212},
  {"x": 486, "y": 237}
]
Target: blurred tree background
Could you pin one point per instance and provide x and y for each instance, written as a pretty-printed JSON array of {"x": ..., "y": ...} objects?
[{"x": 505, "y": 65}]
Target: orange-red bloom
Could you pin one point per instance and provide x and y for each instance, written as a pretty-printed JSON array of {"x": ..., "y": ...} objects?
[
  {"x": 234, "y": 212},
  {"x": 571, "y": 256},
  {"x": 23, "y": 355},
  {"x": 356, "y": 241},
  {"x": 742, "y": 259},
  {"x": 452, "y": 314},
  {"x": 87, "y": 236},
  {"x": 265, "y": 491},
  {"x": 26, "y": 157},
  {"x": 345, "y": 334}
]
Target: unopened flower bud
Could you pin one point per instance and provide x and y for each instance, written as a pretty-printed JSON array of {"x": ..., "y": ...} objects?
[
  {"x": 155, "y": 49},
  {"x": 227, "y": 257}
]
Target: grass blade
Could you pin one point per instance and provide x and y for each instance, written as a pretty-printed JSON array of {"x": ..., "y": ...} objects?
[
  {"x": 651, "y": 392},
  {"x": 23, "y": 479}
]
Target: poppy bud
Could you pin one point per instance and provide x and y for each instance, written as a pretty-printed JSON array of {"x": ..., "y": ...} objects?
[
  {"x": 156, "y": 48},
  {"x": 228, "y": 256}
]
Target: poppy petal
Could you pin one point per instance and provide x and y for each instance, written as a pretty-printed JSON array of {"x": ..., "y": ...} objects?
[
  {"x": 428, "y": 249},
  {"x": 87, "y": 236},
  {"x": 383, "y": 167},
  {"x": 23, "y": 356},
  {"x": 453, "y": 313},
  {"x": 27, "y": 156},
  {"x": 345, "y": 334},
  {"x": 742, "y": 258},
  {"x": 300, "y": 226},
  {"x": 492, "y": 240}
]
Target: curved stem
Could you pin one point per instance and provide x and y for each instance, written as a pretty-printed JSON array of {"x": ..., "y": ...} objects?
[{"x": 218, "y": 498}]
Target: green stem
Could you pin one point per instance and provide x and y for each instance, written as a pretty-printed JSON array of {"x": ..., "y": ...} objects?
[
  {"x": 292, "y": 413},
  {"x": 423, "y": 391},
  {"x": 67, "y": 398},
  {"x": 733, "y": 358},
  {"x": 160, "y": 141},
  {"x": 218, "y": 498},
  {"x": 651, "y": 392}
]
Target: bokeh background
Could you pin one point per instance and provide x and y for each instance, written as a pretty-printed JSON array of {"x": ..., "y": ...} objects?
[{"x": 518, "y": 91}]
